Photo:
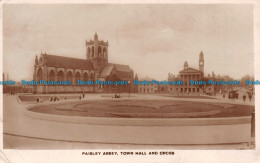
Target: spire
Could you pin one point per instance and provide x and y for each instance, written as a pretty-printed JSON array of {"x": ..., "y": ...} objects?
[
  {"x": 136, "y": 77},
  {"x": 201, "y": 54},
  {"x": 95, "y": 36},
  {"x": 36, "y": 60}
]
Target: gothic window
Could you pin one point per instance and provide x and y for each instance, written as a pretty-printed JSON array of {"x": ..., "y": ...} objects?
[
  {"x": 60, "y": 76},
  {"x": 92, "y": 51},
  {"x": 51, "y": 75},
  {"x": 104, "y": 52},
  {"x": 85, "y": 76},
  {"x": 88, "y": 53},
  {"x": 77, "y": 77},
  {"x": 40, "y": 74},
  {"x": 69, "y": 76},
  {"x": 99, "y": 51}
]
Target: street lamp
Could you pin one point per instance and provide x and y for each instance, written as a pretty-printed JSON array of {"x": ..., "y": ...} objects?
[{"x": 129, "y": 88}]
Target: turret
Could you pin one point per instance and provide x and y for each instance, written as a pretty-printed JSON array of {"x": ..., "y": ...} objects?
[
  {"x": 185, "y": 65},
  {"x": 201, "y": 62},
  {"x": 36, "y": 60},
  {"x": 136, "y": 77}
]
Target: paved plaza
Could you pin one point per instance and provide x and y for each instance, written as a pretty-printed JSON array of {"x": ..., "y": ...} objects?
[{"x": 23, "y": 132}]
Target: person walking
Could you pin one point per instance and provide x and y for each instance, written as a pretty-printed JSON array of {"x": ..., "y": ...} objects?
[
  {"x": 244, "y": 97},
  {"x": 250, "y": 97}
]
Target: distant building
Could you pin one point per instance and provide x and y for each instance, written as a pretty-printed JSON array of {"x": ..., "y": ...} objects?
[
  {"x": 6, "y": 88},
  {"x": 94, "y": 67},
  {"x": 145, "y": 88},
  {"x": 188, "y": 74},
  {"x": 5, "y": 76}
]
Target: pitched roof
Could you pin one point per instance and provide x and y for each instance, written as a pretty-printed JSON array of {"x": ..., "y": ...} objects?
[
  {"x": 106, "y": 71},
  {"x": 122, "y": 68},
  {"x": 67, "y": 62},
  {"x": 190, "y": 70}
]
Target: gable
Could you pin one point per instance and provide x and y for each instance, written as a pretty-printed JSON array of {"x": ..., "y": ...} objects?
[
  {"x": 106, "y": 71},
  {"x": 121, "y": 68},
  {"x": 190, "y": 70}
]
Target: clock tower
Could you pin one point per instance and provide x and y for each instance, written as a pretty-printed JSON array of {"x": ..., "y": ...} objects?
[{"x": 201, "y": 62}]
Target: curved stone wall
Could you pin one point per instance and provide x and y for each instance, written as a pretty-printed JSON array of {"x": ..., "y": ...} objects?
[{"x": 148, "y": 130}]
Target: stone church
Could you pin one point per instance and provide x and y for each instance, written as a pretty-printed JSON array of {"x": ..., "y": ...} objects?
[{"x": 95, "y": 67}]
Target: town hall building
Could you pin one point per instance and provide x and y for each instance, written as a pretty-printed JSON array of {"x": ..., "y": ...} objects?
[
  {"x": 188, "y": 74},
  {"x": 95, "y": 67}
]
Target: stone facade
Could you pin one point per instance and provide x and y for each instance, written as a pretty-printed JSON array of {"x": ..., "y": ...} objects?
[
  {"x": 144, "y": 88},
  {"x": 188, "y": 74},
  {"x": 94, "y": 67}
]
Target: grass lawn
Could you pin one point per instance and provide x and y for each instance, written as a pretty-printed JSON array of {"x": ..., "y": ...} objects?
[{"x": 146, "y": 109}]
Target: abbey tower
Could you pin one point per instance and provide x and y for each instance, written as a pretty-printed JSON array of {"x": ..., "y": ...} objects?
[{"x": 97, "y": 52}]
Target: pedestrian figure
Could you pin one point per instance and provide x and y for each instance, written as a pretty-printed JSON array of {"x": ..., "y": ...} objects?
[
  {"x": 244, "y": 97},
  {"x": 250, "y": 97},
  {"x": 224, "y": 95}
]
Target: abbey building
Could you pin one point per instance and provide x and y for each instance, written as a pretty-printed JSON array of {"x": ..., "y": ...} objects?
[{"x": 95, "y": 67}]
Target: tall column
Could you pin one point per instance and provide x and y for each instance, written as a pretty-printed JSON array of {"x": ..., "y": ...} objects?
[
  {"x": 185, "y": 79},
  {"x": 188, "y": 80},
  {"x": 188, "y": 83}
]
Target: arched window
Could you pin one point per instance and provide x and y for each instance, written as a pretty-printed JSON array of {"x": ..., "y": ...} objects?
[
  {"x": 60, "y": 76},
  {"x": 88, "y": 53},
  {"x": 40, "y": 74},
  {"x": 69, "y": 76},
  {"x": 104, "y": 52},
  {"x": 85, "y": 76},
  {"x": 99, "y": 51},
  {"x": 77, "y": 77},
  {"x": 92, "y": 51},
  {"x": 51, "y": 75}
]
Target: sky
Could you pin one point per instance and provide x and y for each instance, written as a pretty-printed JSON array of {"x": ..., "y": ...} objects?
[{"x": 153, "y": 39}]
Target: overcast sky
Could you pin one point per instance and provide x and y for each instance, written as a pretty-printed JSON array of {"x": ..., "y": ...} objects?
[{"x": 153, "y": 39}]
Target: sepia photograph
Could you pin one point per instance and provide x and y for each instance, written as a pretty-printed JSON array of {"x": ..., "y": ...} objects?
[{"x": 111, "y": 77}]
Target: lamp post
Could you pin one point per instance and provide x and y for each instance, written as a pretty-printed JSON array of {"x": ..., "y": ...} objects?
[{"x": 129, "y": 88}]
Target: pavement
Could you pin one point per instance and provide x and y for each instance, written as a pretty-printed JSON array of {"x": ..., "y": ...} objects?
[{"x": 23, "y": 132}]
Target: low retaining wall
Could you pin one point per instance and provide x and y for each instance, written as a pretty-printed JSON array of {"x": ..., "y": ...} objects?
[{"x": 148, "y": 130}]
